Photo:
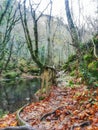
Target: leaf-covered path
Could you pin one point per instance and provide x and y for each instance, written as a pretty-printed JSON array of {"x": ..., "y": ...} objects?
[{"x": 64, "y": 109}]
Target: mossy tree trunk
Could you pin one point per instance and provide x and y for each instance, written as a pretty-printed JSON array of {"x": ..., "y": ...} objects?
[
  {"x": 48, "y": 79},
  {"x": 95, "y": 43},
  {"x": 46, "y": 72}
]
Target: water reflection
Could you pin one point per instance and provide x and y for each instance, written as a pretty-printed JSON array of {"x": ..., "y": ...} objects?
[{"x": 14, "y": 94}]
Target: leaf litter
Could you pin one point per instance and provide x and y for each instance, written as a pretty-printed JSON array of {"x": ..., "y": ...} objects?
[{"x": 64, "y": 109}]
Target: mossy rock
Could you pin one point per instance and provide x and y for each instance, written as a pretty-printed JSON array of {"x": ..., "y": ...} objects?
[
  {"x": 11, "y": 75},
  {"x": 24, "y": 66},
  {"x": 23, "y": 69},
  {"x": 33, "y": 69},
  {"x": 22, "y": 62},
  {"x": 10, "y": 66}
]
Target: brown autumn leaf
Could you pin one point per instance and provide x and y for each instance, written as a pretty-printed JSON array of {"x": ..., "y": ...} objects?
[{"x": 61, "y": 119}]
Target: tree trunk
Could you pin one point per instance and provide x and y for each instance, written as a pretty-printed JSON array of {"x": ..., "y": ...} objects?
[
  {"x": 48, "y": 79},
  {"x": 73, "y": 32},
  {"x": 36, "y": 38},
  {"x": 28, "y": 37}
]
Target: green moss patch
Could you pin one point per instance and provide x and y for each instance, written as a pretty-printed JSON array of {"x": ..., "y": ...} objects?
[{"x": 11, "y": 75}]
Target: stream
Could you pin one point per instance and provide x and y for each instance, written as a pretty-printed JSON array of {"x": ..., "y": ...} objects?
[{"x": 15, "y": 93}]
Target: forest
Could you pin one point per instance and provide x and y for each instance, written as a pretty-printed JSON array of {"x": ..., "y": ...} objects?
[{"x": 48, "y": 65}]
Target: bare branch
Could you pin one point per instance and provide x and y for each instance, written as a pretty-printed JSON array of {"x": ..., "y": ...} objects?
[
  {"x": 43, "y": 12},
  {"x": 6, "y": 8}
]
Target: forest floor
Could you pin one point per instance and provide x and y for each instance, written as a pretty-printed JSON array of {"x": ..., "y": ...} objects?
[{"x": 66, "y": 108}]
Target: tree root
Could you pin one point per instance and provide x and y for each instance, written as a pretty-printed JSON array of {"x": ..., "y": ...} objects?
[
  {"x": 18, "y": 128},
  {"x": 25, "y": 126},
  {"x": 53, "y": 112},
  {"x": 83, "y": 124},
  {"x": 20, "y": 120}
]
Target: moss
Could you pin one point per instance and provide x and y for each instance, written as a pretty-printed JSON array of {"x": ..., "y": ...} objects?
[
  {"x": 41, "y": 98},
  {"x": 33, "y": 69},
  {"x": 95, "y": 39},
  {"x": 72, "y": 58},
  {"x": 71, "y": 83},
  {"x": 93, "y": 65},
  {"x": 1, "y": 64},
  {"x": 93, "y": 68},
  {"x": 10, "y": 66},
  {"x": 11, "y": 75},
  {"x": 66, "y": 67},
  {"x": 71, "y": 64},
  {"x": 22, "y": 62},
  {"x": 25, "y": 66},
  {"x": 44, "y": 90},
  {"x": 72, "y": 73},
  {"x": 88, "y": 58},
  {"x": 2, "y": 113}
]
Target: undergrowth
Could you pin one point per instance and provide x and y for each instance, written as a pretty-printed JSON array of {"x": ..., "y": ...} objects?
[{"x": 85, "y": 66}]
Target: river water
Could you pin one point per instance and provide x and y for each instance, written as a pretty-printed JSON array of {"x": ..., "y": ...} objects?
[{"x": 15, "y": 93}]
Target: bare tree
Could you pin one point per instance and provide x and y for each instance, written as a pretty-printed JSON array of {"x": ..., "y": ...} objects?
[
  {"x": 11, "y": 18},
  {"x": 49, "y": 39},
  {"x": 73, "y": 32},
  {"x": 33, "y": 52}
]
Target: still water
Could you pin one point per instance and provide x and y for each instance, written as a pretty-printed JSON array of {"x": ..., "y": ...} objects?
[{"x": 14, "y": 94}]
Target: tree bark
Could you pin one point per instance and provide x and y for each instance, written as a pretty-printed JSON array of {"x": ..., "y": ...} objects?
[{"x": 73, "y": 32}]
